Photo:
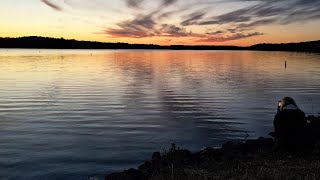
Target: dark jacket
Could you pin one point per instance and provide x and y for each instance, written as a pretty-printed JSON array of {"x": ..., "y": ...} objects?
[{"x": 291, "y": 130}]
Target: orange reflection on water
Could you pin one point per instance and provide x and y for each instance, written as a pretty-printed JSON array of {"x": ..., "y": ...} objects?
[{"x": 45, "y": 65}]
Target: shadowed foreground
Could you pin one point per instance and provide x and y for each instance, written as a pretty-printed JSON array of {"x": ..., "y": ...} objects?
[{"x": 253, "y": 159}]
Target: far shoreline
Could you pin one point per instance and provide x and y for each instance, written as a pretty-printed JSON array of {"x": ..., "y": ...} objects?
[
  {"x": 35, "y": 42},
  {"x": 178, "y": 50}
]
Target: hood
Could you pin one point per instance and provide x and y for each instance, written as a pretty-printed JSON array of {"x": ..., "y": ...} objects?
[{"x": 287, "y": 103}]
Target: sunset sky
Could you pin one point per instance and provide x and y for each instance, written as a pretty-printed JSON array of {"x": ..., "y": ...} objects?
[{"x": 210, "y": 22}]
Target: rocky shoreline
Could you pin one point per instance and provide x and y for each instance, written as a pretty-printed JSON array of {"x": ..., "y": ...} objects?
[{"x": 251, "y": 159}]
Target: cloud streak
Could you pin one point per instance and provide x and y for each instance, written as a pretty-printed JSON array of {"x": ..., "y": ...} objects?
[
  {"x": 141, "y": 26},
  {"x": 168, "y": 2},
  {"x": 174, "y": 31},
  {"x": 193, "y": 18},
  {"x": 134, "y": 3},
  {"x": 279, "y": 12},
  {"x": 52, "y": 5},
  {"x": 203, "y": 20},
  {"x": 237, "y": 36}
]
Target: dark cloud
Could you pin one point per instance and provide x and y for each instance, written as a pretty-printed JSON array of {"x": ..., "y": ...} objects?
[
  {"x": 134, "y": 3},
  {"x": 166, "y": 14},
  {"x": 162, "y": 14},
  {"x": 281, "y": 12},
  {"x": 140, "y": 21},
  {"x": 139, "y": 3},
  {"x": 309, "y": 10},
  {"x": 174, "y": 31},
  {"x": 269, "y": 10},
  {"x": 254, "y": 24},
  {"x": 224, "y": 31},
  {"x": 141, "y": 26},
  {"x": 234, "y": 16},
  {"x": 232, "y": 30},
  {"x": 216, "y": 32},
  {"x": 227, "y": 19},
  {"x": 236, "y": 24},
  {"x": 237, "y": 36},
  {"x": 148, "y": 25},
  {"x": 193, "y": 18},
  {"x": 145, "y": 26},
  {"x": 128, "y": 30},
  {"x": 240, "y": 23},
  {"x": 52, "y": 5},
  {"x": 168, "y": 2},
  {"x": 117, "y": 33}
]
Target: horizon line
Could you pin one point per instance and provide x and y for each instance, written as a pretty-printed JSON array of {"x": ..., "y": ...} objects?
[{"x": 62, "y": 38}]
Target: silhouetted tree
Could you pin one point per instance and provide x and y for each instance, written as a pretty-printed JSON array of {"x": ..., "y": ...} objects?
[{"x": 35, "y": 42}]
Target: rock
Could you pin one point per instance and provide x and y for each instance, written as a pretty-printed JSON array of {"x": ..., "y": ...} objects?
[
  {"x": 206, "y": 150},
  {"x": 230, "y": 158},
  {"x": 272, "y": 134},
  {"x": 145, "y": 168},
  {"x": 131, "y": 174},
  {"x": 227, "y": 145},
  {"x": 156, "y": 156}
]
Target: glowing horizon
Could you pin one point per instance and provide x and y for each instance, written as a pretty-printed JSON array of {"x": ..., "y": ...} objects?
[{"x": 164, "y": 22}]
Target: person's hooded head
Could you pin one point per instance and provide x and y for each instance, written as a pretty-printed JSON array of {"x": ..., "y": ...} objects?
[{"x": 287, "y": 103}]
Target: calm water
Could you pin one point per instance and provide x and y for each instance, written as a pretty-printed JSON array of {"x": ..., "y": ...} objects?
[{"x": 71, "y": 114}]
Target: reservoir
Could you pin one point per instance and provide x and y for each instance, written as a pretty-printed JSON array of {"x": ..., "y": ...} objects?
[{"x": 74, "y": 114}]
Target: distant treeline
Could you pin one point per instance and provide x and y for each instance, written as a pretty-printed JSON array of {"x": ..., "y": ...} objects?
[
  {"x": 34, "y": 42},
  {"x": 311, "y": 46}
]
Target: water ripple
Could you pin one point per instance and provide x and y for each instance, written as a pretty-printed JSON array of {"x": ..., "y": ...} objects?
[{"x": 67, "y": 114}]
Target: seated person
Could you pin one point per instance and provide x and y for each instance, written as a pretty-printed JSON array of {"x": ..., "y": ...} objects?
[{"x": 290, "y": 126}]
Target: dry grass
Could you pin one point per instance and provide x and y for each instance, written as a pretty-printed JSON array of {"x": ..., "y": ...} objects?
[{"x": 291, "y": 168}]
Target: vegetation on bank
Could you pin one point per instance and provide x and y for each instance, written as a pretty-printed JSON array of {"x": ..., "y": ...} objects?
[
  {"x": 252, "y": 159},
  {"x": 61, "y": 43}
]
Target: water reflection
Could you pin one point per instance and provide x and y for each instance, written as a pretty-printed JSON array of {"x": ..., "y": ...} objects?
[{"x": 70, "y": 114}]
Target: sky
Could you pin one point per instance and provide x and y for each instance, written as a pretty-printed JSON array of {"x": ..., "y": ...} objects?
[{"x": 165, "y": 22}]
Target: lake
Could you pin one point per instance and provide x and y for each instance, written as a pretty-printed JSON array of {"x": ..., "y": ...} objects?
[{"x": 74, "y": 114}]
